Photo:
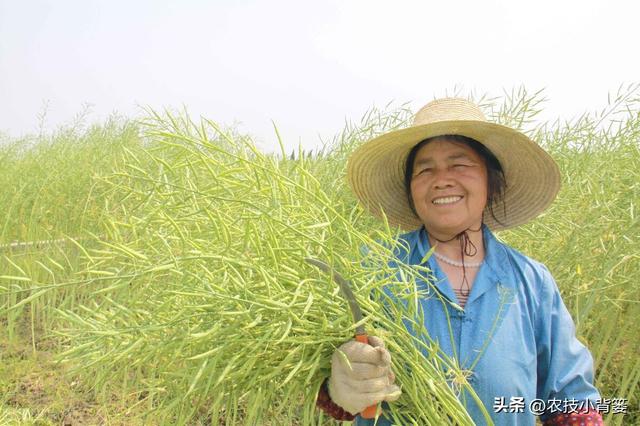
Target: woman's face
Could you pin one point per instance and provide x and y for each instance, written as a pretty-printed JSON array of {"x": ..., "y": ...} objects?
[{"x": 449, "y": 187}]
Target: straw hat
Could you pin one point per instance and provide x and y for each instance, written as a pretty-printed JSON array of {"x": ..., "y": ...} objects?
[{"x": 375, "y": 170}]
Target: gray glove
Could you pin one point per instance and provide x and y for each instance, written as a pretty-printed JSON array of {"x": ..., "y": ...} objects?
[{"x": 361, "y": 375}]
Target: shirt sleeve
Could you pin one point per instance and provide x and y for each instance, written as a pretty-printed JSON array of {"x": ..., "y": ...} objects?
[{"x": 565, "y": 365}]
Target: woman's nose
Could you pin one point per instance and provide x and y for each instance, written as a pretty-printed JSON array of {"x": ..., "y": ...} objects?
[{"x": 442, "y": 179}]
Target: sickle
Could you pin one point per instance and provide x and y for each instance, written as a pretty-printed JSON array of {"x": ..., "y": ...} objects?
[
  {"x": 361, "y": 335},
  {"x": 345, "y": 288}
]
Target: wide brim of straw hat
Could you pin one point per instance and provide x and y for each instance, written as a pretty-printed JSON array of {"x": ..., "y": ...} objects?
[{"x": 375, "y": 172}]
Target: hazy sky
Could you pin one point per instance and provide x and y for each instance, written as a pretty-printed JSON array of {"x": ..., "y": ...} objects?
[{"x": 306, "y": 65}]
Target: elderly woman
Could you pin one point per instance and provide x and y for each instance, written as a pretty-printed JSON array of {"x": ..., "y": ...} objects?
[{"x": 452, "y": 179}]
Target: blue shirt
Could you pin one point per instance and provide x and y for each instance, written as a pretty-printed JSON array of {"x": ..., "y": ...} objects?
[{"x": 515, "y": 334}]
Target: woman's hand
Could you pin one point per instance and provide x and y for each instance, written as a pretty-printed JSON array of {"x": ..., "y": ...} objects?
[{"x": 361, "y": 375}]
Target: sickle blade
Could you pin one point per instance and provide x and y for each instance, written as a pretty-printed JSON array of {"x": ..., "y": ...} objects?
[{"x": 345, "y": 288}]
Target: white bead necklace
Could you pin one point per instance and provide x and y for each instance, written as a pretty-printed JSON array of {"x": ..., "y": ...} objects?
[{"x": 455, "y": 262}]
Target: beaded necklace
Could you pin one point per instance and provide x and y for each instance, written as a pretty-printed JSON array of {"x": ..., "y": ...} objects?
[
  {"x": 466, "y": 248},
  {"x": 455, "y": 262}
]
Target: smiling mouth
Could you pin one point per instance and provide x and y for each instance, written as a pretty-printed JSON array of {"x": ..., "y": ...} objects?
[{"x": 447, "y": 200}]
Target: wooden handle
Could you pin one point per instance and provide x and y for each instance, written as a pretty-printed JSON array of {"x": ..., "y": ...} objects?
[{"x": 370, "y": 411}]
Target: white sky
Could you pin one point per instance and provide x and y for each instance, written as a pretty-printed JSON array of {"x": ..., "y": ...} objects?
[{"x": 307, "y": 65}]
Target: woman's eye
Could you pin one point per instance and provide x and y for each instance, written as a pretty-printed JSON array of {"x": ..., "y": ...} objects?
[
  {"x": 459, "y": 166},
  {"x": 425, "y": 170}
]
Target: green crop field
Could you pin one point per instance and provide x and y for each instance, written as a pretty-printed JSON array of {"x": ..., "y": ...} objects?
[{"x": 152, "y": 271}]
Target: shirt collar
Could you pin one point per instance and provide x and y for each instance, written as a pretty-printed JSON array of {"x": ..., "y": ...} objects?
[{"x": 496, "y": 261}]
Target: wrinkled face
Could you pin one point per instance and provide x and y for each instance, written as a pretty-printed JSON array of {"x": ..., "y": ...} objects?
[{"x": 449, "y": 187}]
